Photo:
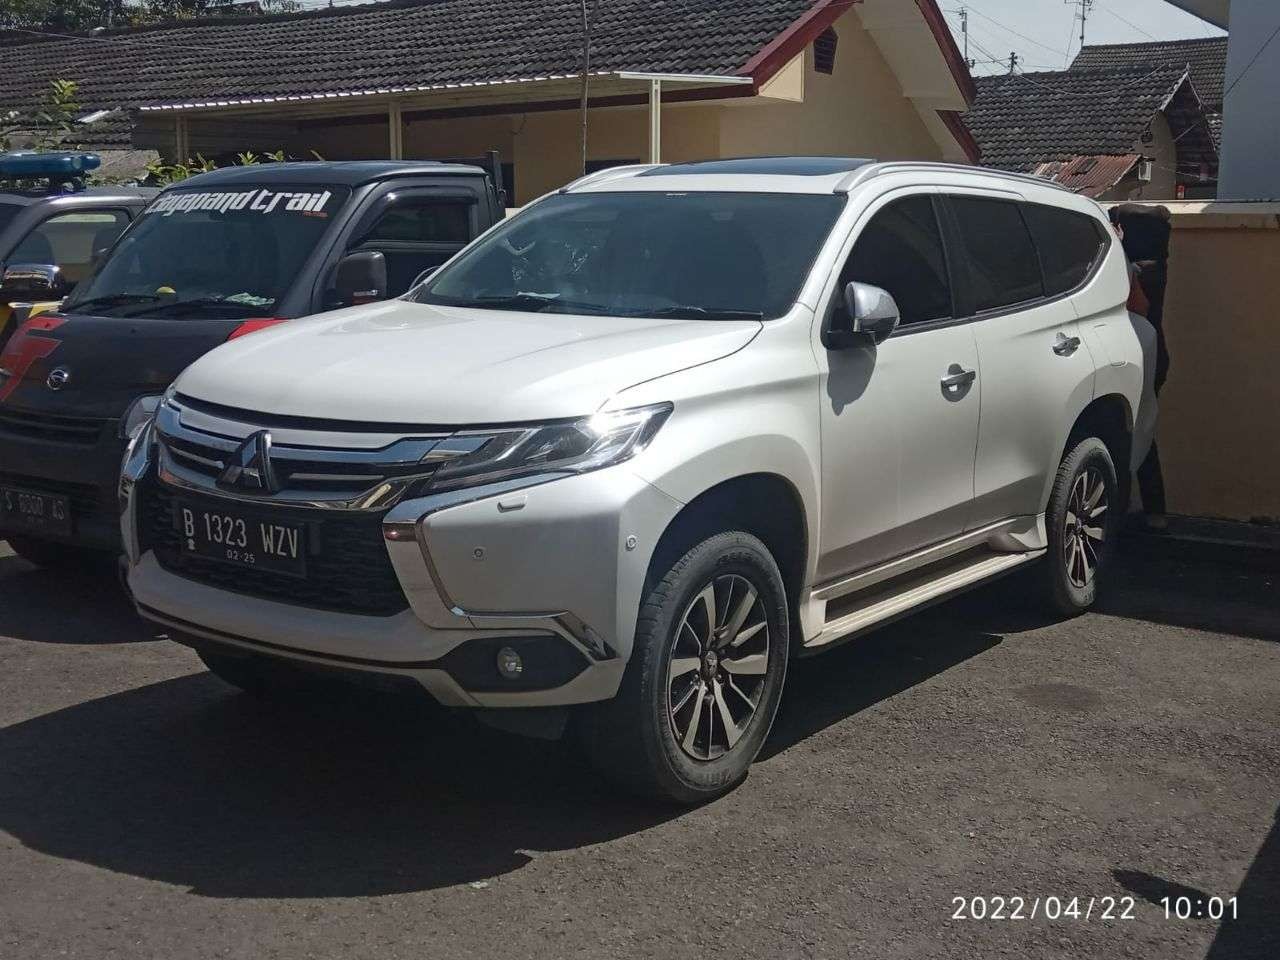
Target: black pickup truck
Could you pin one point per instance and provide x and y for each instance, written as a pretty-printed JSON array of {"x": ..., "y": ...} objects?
[{"x": 210, "y": 259}]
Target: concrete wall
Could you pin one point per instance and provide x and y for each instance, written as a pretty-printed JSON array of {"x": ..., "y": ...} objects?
[
  {"x": 1219, "y": 428},
  {"x": 1251, "y": 119}
]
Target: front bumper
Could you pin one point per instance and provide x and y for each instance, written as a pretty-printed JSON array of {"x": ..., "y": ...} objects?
[
  {"x": 563, "y": 560},
  {"x": 77, "y": 458}
]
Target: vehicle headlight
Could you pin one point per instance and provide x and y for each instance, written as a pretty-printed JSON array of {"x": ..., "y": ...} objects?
[
  {"x": 138, "y": 415},
  {"x": 576, "y": 446}
]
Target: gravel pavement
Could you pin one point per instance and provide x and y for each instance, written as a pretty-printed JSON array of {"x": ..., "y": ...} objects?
[{"x": 975, "y": 750}]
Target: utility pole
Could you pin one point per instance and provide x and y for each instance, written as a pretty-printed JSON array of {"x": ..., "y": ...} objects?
[
  {"x": 1083, "y": 9},
  {"x": 1013, "y": 63},
  {"x": 964, "y": 32}
]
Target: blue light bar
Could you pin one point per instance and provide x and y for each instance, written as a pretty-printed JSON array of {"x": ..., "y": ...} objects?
[{"x": 57, "y": 166}]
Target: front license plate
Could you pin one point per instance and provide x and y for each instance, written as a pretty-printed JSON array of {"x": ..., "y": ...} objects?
[
  {"x": 29, "y": 511},
  {"x": 229, "y": 536}
]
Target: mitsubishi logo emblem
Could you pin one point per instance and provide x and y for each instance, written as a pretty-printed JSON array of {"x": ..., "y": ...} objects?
[{"x": 249, "y": 467}]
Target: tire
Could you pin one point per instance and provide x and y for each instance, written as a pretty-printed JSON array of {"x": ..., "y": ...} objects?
[
  {"x": 1078, "y": 555},
  {"x": 723, "y": 706},
  {"x": 260, "y": 676},
  {"x": 56, "y": 556}
]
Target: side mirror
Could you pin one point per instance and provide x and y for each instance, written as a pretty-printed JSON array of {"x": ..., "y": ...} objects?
[
  {"x": 424, "y": 276},
  {"x": 870, "y": 316},
  {"x": 360, "y": 278},
  {"x": 34, "y": 281}
]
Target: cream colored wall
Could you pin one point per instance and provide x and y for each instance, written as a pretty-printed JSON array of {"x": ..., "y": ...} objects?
[
  {"x": 1218, "y": 434},
  {"x": 547, "y": 146},
  {"x": 858, "y": 110},
  {"x": 1164, "y": 179}
]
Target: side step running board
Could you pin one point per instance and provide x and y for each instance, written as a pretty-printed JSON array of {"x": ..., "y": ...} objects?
[{"x": 856, "y": 613}]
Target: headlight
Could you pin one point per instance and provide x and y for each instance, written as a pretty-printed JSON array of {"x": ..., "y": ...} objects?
[
  {"x": 577, "y": 446},
  {"x": 137, "y": 416}
]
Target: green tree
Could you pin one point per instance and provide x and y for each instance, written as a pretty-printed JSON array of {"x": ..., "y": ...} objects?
[{"x": 48, "y": 124}]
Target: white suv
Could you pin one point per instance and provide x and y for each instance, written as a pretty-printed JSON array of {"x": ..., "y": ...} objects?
[{"x": 635, "y": 448}]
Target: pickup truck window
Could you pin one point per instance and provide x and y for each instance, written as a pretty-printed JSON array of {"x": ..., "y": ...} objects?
[
  {"x": 69, "y": 240},
  {"x": 706, "y": 255},
  {"x": 203, "y": 254},
  {"x": 415, "y": 233}
]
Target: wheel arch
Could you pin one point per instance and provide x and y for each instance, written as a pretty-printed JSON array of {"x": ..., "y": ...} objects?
[
  {"x": 1110, "y": 419},
  {"x": 766, "y": 505}
]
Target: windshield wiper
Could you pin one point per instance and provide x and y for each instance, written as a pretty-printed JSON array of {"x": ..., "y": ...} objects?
[
  {"x": 198, "y": 303},
  {"x": 112, "y": 300},
  {"x": 518, "y": 301},
  {"x": 683, "y": 312}
]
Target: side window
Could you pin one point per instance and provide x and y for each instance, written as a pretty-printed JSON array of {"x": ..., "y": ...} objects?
[
  {"x": 70, "y": 239},
  {"x": 1070, "y": 244},
  {"x": 900, "y": 251},
  {"x": 1003, "y": 267},
  {"x": 415, "y": 233}
]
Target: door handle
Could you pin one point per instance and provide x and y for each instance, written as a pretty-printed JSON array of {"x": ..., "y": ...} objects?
[
  {"x": 957, "y": 377},
  {"x": 1065, "y": 346}
]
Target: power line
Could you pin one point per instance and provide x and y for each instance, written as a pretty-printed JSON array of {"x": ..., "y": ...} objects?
[
  {"x": 1250, "y": 65},
  {"x": 1129, "y": 22}
]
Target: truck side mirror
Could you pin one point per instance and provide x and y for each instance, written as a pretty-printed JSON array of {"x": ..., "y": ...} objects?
[
  {"x": 360, "y": 277},
  {"x": 34, "y": 281},
  {"x": 870, "y": 316}
]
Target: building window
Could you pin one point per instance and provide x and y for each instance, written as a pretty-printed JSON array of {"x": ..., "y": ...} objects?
[{"x": 824, "y": 51}]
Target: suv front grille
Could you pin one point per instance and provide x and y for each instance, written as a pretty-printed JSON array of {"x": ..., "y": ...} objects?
[
  {"x": 348, "y": 569},
  {"x": 84, "y": 431}
]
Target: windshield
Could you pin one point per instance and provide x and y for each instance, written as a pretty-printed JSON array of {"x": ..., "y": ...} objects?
[
  {"x": 202, "y": 254},
  {"x": 699, "y": 255}
]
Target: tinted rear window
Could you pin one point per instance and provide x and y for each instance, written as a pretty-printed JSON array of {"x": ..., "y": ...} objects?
[
  {"x": 1069, "y": 243},
  {"x": 1003, "y": 267}
]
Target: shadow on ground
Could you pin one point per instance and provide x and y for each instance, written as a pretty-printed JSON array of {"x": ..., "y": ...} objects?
[
  {"x": 360, "y": 794},
  {"x": 66, "y": 606},
  {"x": 1255, "y": 933},
  {"x": 1224, "y": 589}
]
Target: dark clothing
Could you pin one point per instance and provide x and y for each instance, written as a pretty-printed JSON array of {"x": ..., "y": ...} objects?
[
  {"x": 1151, "y": 483},
  {"x": 1146, "y": 243},
  {"x": 1154, "y": 279}
]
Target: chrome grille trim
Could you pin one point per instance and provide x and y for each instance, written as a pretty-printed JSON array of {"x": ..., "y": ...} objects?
[{"x": 313, "y": 470}]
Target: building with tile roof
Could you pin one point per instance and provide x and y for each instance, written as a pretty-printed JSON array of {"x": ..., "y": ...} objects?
[
  {"x": 1123, "y": 133},
  {"x": 451, "y": 78},
  {"x": 1205, "y": 58}
]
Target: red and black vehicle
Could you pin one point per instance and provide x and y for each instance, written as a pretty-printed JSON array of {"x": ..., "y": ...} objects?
[{"x": 212, "y": 258}]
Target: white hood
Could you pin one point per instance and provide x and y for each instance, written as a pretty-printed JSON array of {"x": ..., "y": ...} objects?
[{"x": 400, "y": 362}]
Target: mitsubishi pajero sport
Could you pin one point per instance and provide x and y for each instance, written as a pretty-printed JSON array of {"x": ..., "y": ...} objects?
[{"x": 632, "y": 450}]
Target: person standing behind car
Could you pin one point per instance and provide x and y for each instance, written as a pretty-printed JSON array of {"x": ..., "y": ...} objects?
[{"x": 1144, "y": 233}]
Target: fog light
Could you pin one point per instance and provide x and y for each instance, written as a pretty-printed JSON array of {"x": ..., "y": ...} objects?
[{"x": 510, "y": 666}]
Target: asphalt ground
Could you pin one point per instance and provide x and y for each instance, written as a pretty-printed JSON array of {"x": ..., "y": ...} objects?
[{"x": 977, "y": 750}]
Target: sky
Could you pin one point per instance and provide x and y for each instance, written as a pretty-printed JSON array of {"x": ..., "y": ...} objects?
[{"x": 1046, "y": 33}]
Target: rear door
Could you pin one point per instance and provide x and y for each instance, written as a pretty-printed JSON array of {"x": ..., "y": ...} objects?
[{"x": 1029, "y": 348}]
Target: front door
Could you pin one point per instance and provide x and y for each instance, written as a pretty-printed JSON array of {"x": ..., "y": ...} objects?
[{"x": 899, "y": 420}]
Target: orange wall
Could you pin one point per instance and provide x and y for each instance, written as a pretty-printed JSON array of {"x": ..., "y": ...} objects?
[{"x": 1219, "y": 427}]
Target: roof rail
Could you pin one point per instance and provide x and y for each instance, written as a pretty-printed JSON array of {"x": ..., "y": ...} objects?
[
  {"x": 608, "y": 173},
  {"x": 858, "y": 177}
]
